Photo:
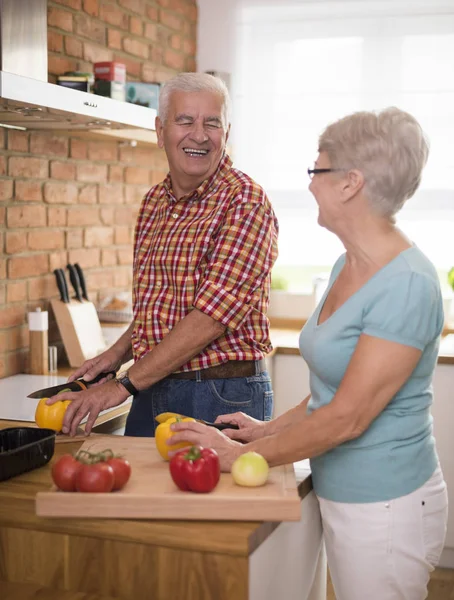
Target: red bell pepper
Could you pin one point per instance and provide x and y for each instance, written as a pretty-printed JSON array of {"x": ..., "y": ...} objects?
[{"x": 195, "y": 469}]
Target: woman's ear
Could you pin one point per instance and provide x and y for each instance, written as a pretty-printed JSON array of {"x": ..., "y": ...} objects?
[{"x": 352, "y": 184}]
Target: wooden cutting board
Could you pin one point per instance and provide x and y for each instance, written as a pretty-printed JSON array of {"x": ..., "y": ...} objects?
[{"x": 151, "y": 494}]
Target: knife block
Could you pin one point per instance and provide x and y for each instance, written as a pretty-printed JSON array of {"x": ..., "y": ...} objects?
[{"x": 80, "y": 330}]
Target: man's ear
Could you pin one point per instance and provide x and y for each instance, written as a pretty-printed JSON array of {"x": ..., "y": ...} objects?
[
  {"x": 159, "y": 132},
  {"x": 352, "y": 184},
  {"x": 228, "y": 133}
]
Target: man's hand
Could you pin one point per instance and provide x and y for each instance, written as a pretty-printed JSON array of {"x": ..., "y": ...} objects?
[
  {"x": 107, "y": 361},
  {"x": 89, "y": 402},
  {"x": 250, "y": 429}
]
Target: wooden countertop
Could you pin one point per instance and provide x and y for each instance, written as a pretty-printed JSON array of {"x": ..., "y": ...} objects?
[{"x": 17, "y": 509}]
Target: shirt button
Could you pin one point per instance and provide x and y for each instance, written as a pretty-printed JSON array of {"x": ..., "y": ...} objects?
[
  {"x": 175, "y": 215},
  {"x": 148, "y": 315}
]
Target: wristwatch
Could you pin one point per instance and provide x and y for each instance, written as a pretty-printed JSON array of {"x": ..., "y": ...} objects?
[{"x": 123, "y": 378}]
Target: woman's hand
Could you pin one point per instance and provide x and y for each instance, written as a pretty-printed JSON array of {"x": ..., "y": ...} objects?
[
  {"x": 250, "y": 429},
  {"x": 105, "y": 362},
  {"x": 208, "y": 437},
  {"x": 89, "y": 402}
]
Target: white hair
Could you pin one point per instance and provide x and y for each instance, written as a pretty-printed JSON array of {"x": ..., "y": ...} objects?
[
  {"x": 388, "y": 147},
  {"x": 194, "y": 82}
]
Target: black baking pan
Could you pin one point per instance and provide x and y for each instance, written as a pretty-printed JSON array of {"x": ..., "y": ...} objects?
[{"x": 23, "y": 449}]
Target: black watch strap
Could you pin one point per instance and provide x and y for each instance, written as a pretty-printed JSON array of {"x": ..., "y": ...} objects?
[{"x": 127, "y": 383}]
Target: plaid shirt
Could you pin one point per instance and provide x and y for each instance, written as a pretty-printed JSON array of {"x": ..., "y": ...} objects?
[{"x": 212, "y": 250}]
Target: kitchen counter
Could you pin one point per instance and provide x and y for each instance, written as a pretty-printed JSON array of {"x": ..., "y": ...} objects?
[{"x": 163, "y": 560}]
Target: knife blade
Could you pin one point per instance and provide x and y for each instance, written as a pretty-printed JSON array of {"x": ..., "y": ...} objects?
[
  {"x": 219, "y": 426},
  {"x": 83, "y": 285},
  {"x": 74, "y": 386},
  {"x": 74, "y": 281},
  {"x": 65, "y": 283},
  {"x": 61, "y": 288}
]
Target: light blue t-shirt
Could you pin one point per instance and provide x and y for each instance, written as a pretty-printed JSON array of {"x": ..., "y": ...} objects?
[{"x": 396, "y": 455}]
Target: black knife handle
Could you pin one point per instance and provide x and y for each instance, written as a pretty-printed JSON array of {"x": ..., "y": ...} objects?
[
  {"x": 74, "y": 279},
  {"x": 81, "y": 280},
  {"x": 61, "y": 287},
  {"x": 65, "y": 284},
  {"x": 98, "y": 377},
  {"x": 222, "y": 426}
]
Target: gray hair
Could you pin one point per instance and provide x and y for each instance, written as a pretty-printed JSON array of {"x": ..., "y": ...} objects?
[
  {"x": 388, "y": 147},
  {"x": 194, "y": 82}
]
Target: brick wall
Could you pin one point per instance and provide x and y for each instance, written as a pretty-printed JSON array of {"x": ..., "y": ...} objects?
[{"x": 67, "y": 199}]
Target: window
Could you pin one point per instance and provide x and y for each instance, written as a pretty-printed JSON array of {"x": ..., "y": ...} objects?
[{"x": 301, "y": 67}]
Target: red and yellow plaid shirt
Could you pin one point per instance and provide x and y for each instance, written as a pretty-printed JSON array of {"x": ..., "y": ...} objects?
[{"x": 212, "y": 250}]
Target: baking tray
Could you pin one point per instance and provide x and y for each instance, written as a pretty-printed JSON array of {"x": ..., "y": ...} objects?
[{"x": 23, "y": 449}]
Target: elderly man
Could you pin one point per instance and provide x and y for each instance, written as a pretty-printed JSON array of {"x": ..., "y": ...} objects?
[{"x": 205, "y": 243}]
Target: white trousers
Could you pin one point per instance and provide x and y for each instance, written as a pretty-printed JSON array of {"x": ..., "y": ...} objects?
[{"x": 386, "y": 550}]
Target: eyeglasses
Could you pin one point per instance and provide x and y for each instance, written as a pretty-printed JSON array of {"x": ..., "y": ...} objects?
[{"x": 312, "y": 172}]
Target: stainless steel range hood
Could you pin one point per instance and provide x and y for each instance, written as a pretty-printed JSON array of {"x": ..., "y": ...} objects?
[{"x": 28, "y": 101}]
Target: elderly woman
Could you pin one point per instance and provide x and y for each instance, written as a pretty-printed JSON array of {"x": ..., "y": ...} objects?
[{"x": 371, "y": 346}]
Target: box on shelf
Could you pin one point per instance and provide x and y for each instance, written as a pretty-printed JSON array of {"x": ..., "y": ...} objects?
[
  {"x": 110, "y": 71},
  {"x": 144, "y": 94},
  {"x": 111, "y": 89},
  {"x": 76, "y": 81}
]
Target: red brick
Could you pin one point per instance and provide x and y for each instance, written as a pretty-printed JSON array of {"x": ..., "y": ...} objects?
[
  {"x": 83, "y": 216},
  {"x": 132, "y": 66},
  {"x": 56, "y": 192},
  {"x": 18, "y": 141},
  {"x": 122, "y": 277},
  {"x": 114, "y": 16},
  {"x": 46, "y": 143},
  {"x": 136, "y": 47},
  {"x": 88, "y": 257},
  {"x": 12, "y": 316},
  {"x": 15, "y": 242},
  {"x": 141, "y": 155},
  {"x": 165, "y": 3},
  {"x": 157, "y": 54},
  {"x": 3, "y": 139},
  {"x": 90, "y": 29},
  {"x": 74, "y": 238},
  {"x": 176, "y": 41},
  {"x": 25, "y": 166},
  {"x": 116, "y": 173},
  {"x": 136, "y": 175},
  {"x": 125, "y": 215},
  {"x": 54, "y": 41},
  {"x": 192, "y": 13},
  {"x": 122, "y": 235},
  {"x": 157, "y": 177},
  {"x": 26, "y": 216},
  {"x": 191, "y": 65},
  {"x": 134, "y": 194},
  {"x": 91, "y": 7},
  {"x": 98, "y": 236},
  {"x": 107, "y": 216},
  {"x": 48, "y": 239},
  {"x": 2, "y": 165},
  {"x": 124, "y": 256},
  {"x": 114, "y": 39},
  {"x": 6, "y": 189},
  {"x": 16, "y": 291},
  {"x": 154, "y": 73},
  {"x": 174, "y": 60},
  {"x": 21, "y": 267},
  {"x": 111, "y": 193},
  {"x": 28, "y": 191},
  {"x": 151, "y": 32},
  {"x": 137, "y": 6},
  {"x": 108, "y": 258},
  {"x": 95, "y": 54},
  {"x": 57, "y": 65},
  {"x": 189, "y": 47},
  {"x": 88, "y": 194},
  {"x": 135, "y": 26},
  {"x": 14, "y": 338},
  {"x": 57, "y": 17},
  {"x": 56, "y": 216},
  {"x": 105, "y": 279},
  {"x": 153, "y": 13},
  {"x": 171, "y": 20},
  {"x": 92, "y": 173},
  {"x": 76, "y": 4},
  {"x": 42, "y": 288},
  {"x": 103, "y": 151},
  {"x": 79, "y": 148},
  {"x": 73, "y": 46},
  {"x": 62, "y": 170},
  {"x": 58, "y": 260}
]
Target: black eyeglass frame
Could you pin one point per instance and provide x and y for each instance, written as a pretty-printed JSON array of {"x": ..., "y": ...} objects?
[{"x": 312, "y": 172}]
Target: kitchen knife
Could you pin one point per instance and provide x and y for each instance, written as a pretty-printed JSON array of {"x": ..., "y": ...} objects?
[
  {"x": 64, "y": 297},
  {"x": 81, "y": 280},
  {"x": 73, "y": 277},
  {"x": 219, "y": 426},
  {"x": 74, "y": 386},
  {"x": 65, "y": 283}
]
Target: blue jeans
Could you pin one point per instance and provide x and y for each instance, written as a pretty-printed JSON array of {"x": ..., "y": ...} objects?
[{"x": 201, "y": 400}]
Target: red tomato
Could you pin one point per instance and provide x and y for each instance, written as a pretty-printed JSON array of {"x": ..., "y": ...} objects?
[
  {"x": 96, "y": 478},
  {"x": 122, "y": 471},
  {"x": 64, "y": 472}
]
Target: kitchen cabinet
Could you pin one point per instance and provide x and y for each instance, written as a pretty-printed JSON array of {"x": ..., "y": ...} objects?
[{"x": 99, "y": 559}]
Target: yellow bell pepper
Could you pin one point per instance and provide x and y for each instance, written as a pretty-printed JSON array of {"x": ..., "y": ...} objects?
[
  {"x": 165, "y": 416},
  {"x": 163, "y": 433}
]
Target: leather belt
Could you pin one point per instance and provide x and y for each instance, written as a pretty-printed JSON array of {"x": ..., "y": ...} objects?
[{"x": 232, "y": 368}]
